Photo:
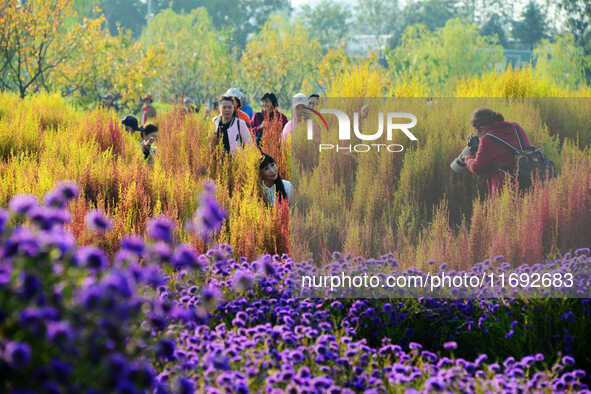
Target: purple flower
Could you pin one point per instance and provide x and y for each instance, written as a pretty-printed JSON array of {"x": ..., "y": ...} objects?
[
  {"x": 185, "y": 256},
  {"x": 165, "y": 349},
  {"x": 4, "y": 217},
  {"x": 218, "y": 361},
  {"x": 133, "y": 243},
  {"x": 17, "y": 354},
  {"x": 22, "y": 203},
  {"x": 210, "y": 297},
  {"x": 185, "y": 386},
  {"x": 46, "y": 218},
  {"x": 61, "y": 370},
  {"x": 69, "y": 190},
  {"x": 161, "y": 251},
  {"x": 242, "y": 280},
  {"x": 434, "y": 384},
  {"x": 98, "y": 222},
  {"x": 59, "y": 239},
  {"x": 59, "y": 332},
  {"x": 93, "y": 257},
  {"x": 451, "y": 345},
  {"x": 509, "y": 334},
  {"x": 160, "y": 228},
  {"x": 55, "y": 199},
  {"x": 210, "y": 215},
  {"x": 31, "y": 285},
  {"x": 568, "y": 360}
]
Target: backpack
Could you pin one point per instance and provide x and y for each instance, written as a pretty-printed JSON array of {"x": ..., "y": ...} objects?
[{"x": 529, "y": 162}]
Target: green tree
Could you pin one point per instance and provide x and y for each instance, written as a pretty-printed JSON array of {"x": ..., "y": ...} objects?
[
  {"x": 494, "y": 27},
  {"x": 240, "y": 17},
  {"x": 129, "y": 14},
  {"x": 579, "y": 24},
  {"x": 532, "y": 26},
  {"x": 279, "y": 59},
  {"x": 327, "y": 22},
  {"x": 379, "y": 17},
  {"x": 431, "y": 13},
  {"x": 199, "y": 63},
  {"x": 560, "y": 61},
  {"x": 445, "y": 56}
]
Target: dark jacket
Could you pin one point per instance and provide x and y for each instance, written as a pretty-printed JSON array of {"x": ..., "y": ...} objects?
[
  {"x": 259, "y": 117},
  {"x": 493, "y": 155}
]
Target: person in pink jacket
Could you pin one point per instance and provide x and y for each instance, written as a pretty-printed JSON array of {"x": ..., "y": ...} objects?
[{"x": 231, "y": 130}]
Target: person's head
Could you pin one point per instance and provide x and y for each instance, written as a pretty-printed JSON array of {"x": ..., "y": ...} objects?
[
  {"x": 236, "y": 95},
  {"x": 313, "y": 100},
  {"x": 269, "y": 174},
  {"x": 483, "y": 117},
  {"x": 148, "y": 98},
  {"x": 108, "y": 99},
  {"x": 269, "y": 102},
  {"x": 131, "y": 124},
  {"x": 268, "y": 169},
  {"x": 300, "y": 102},
  {"x": 226, "y": 106},
  {"x": 188, "y": 101},
  {"x": 150, "y": 133}
]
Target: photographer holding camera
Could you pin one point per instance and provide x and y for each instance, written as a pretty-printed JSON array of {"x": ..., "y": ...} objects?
[{"x": 489, "y": 157}]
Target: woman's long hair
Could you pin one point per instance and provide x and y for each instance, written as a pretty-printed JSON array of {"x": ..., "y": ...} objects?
[
  {"x": 485, "y": 116},
  {"x": 279, "y": 188}
]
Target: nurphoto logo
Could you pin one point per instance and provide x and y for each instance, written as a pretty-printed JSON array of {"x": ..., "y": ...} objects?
[{"x": 344, "y": 133}]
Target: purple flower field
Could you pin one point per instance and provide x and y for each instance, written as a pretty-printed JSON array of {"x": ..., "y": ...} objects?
[{"x": 158, "y": 317}]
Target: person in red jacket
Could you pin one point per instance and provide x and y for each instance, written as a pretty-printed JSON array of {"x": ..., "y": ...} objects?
[{"x": 493, "y": 158}]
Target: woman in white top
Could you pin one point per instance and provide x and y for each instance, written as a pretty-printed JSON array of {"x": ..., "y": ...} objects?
[{"x": 273, "y": 187}]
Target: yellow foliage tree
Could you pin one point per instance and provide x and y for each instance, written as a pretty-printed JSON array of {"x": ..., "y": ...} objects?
[
  {"x": 278, "y": 59},
  {"x": 102, "y": 63},
  {"x": 198, "y": 60},
  {"x": 33, "y": 41}
]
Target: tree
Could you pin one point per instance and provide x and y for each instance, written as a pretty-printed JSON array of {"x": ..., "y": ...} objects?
[
  {"x": 579, "y": 24},
  {"x": 240, "y": 17},
  {"x": 431, "y": 13},
  {"x": 278, "y": 59},
  {"x": 560, "y": 61},
  {"x": 445, "y": 56},
  {"x": 33, "y": 42},
  {"x": 199, "y": 62},
  {"x": 129, "y": 14},
  {"x": 378, "y": 17},
  {"x": 327, "y": 21},
  {"x": 532, "y": 26},
  {"x": 578, "y": 18},
  {"x": 493, "y": 27},
  {"x": 104, "y": 64}
]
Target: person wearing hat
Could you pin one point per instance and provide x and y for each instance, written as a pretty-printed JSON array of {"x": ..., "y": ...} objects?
[
  {"x": 268, "y": 116},
  {"x": 188, "y": 108},
  {"x": 109, "y": 103},
  {"x": 131, "y": 124},
  {"x": 237, "y": 95},
  {"x": 300, "y": 104},
  {"x": 148, "y": 112},
  {"x": 273, "y": 188}
]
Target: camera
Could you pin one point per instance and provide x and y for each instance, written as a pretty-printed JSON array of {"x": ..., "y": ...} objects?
[
  {"x": 473, "y": 143},
  {"x": 459, "y": 165}
]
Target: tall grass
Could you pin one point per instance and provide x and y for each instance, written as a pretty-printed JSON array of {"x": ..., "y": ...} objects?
[{"x": 408, "y": 202}]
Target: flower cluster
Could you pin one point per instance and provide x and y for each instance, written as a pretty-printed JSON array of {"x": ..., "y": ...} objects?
[{"x": 160, "y": 317}]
